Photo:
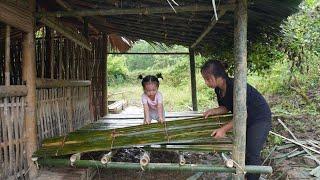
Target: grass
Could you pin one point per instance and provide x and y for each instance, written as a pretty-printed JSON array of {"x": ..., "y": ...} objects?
[{"x": 176, "y": 98}]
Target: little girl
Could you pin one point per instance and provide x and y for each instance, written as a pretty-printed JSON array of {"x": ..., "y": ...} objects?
[{"x": 152, "y": 99}]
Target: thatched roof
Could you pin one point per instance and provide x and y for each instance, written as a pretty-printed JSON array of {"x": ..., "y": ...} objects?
[{"x": 156, "y": 21}]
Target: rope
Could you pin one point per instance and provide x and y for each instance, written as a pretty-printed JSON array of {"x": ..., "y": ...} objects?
[
  {"x": 243, "y": 171},
  {"x": 62, "y": 144},
  {"x": 166, "y": 130},
  {"x": 113, "y": 135}
]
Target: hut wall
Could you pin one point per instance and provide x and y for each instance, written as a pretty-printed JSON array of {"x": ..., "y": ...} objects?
[{"x": 62, "y": 108}]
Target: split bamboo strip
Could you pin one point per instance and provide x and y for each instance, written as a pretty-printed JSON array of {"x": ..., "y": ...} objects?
[
  {"x": 153, "y": 166},
  {"x": 89, "y": 138}
]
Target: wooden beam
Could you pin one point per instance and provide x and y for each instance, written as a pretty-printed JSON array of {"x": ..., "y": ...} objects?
[
  {"x": 67, "y": 32},
  {"x": 122, "y": 11},
  {"x": 53, "y": 83},
  {"x": 208, "y": 29},
  {"x": 16, "y": 16},
  {"x": 156, "y": 53},
  {"x": 240, "y": 88},
  {"x": 193, "y": 80},
  {"x": 66, "y": 6},
  {"x": 13, "y": 90}
]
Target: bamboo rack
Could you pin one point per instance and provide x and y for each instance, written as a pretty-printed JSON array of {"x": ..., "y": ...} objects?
[{"x": 95, "y": 137}]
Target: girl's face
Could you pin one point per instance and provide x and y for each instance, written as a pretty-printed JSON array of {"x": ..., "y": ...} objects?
[
  {"x": 210, "y": 80},
  {"x": 150, "y": 89}
]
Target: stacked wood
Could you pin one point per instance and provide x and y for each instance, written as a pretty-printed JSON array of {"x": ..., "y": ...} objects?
[
  {"x": 188, "y": 132},
  {"x": 117, "y": 106}
]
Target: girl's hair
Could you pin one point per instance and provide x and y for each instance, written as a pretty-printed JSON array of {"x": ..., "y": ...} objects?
[
  {"x": 216, "y": 68},
  {"x": 150, "y": 79}
]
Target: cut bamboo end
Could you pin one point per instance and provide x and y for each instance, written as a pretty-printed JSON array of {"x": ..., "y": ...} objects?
[
  {"x": 74, "y": 158},
  {"x": 182, "y": 160},
  {"x": 144, "y": 159},
  {"x": 106, "y": 158},
  {"x": 227, "y": 161}
]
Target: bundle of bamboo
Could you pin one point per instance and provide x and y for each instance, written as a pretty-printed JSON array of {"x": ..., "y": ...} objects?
[{"x": 183, "y": 134}]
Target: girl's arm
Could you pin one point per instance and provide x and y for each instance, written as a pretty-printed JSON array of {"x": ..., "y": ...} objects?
[
  {"x": 147, "y": 119},
  {"x": 160, "y": 112},
  {"x": 215, "y": 111}
]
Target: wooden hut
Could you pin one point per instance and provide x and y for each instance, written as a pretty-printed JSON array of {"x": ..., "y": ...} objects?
[{"x": 53, "y": 59}]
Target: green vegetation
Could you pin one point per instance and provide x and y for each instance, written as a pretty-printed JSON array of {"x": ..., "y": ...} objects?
[{"x": 285, "y": 68}]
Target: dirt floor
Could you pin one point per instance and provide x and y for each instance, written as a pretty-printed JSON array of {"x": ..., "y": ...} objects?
[{"x": 304, "y": 127}]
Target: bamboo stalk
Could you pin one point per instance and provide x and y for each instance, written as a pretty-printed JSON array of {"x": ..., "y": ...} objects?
[
  {"x": 144, "y": 159},
  {"x": 152, "y": 166}
]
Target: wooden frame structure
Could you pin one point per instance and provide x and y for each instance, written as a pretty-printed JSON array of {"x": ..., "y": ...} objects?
[{"x": 54, "y": 81}]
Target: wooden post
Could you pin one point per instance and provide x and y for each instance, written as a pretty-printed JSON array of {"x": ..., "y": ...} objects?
[
  {"x": 7, "y": 56},
  {"x": 86, "y": 27},
  {"x": 240, "y": 87},
  {"x": 51, "y": 54},
  {"x": 29, "y": 76},
  {"x": 104, "y": 106},
  {"x": 193, "y": 80}
]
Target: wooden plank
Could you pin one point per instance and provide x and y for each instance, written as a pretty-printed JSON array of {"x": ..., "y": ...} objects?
[
  {"x": 13, "y": 90},
  {"x": 240, "y": 87},
  {"x": 122, "y": 11},
  {"x": 54, "y": 83},
  {"x": 16, "y": 16},
  {"x": 67, "y": 32}
]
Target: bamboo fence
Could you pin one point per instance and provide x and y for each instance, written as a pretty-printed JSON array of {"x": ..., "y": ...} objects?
[
  {"x": 12, "y": 137},
  {"x": 183, "y": 134}
]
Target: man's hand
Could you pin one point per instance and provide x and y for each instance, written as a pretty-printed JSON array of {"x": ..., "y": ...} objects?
[{"x": 218, "y": 133}]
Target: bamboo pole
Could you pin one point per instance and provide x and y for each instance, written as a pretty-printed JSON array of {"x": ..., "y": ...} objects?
[
  {"x": 29, "y": 76},
  {"x": 122, "y": 11},
  {"x": 152, "y": 166},
  {"x": 208, "y": 29},
  {"x": 67, "y": 32},
  {"x": 240, "y": 87}
]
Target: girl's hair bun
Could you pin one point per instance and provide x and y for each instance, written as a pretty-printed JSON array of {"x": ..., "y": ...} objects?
[
  {"x": 159, "y": 75},
  {"x": 140, "y": 76}
]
